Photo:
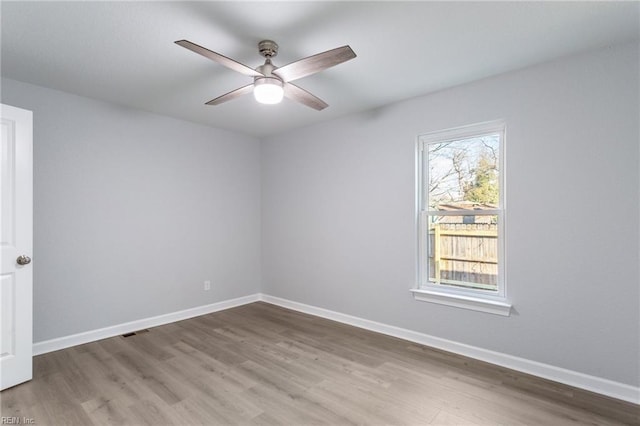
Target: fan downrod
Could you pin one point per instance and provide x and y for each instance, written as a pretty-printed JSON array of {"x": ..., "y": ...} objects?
[{"x": 268, "y": 48}]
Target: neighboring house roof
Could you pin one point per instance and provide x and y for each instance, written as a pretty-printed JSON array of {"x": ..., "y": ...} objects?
[{"x": 466, "y": 205}]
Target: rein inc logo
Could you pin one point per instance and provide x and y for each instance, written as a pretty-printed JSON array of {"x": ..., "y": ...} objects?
[{"x": 15, "y": 420}]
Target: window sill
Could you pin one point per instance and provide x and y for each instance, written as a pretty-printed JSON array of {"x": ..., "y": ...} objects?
[{"x": 465, "y": 302}]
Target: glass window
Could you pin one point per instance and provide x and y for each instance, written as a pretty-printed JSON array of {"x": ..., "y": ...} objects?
[{"x": 461, "y": 211}]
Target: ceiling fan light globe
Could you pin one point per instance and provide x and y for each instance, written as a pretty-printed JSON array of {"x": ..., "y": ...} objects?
[{"x": 268, "y": 90}]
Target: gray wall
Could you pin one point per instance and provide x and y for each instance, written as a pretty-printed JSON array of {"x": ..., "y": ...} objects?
[
  {"x": 338, "y": 213},
  {"x": 133, "y": 211}
]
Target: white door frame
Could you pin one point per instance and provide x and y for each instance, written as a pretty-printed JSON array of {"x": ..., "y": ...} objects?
[{"x": 16, "y": 239}]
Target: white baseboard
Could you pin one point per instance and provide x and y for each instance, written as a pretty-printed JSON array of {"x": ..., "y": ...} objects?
[
  {"x": 119, "y": 329},
  {"x": 569, "y": 377}
]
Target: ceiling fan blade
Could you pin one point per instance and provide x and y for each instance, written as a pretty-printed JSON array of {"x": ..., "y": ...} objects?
[
  {"x": 221, "y": 59},
  {"x": 231, "y": 95},
  {"x": 315, "y": 63},
  {"x": 298, "y": 94}
]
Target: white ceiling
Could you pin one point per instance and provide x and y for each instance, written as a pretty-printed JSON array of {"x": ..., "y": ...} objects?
[{"x": 123, "y": 52}]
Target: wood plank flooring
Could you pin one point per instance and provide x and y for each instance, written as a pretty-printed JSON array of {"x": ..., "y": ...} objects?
[{"x": 262, "y": 364}]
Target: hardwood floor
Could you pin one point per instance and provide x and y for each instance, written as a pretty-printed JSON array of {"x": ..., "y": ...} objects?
[{"x": 262, "y": 364}]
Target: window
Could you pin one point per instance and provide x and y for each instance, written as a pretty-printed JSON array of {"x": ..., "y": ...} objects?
[{"x": 461, "y": 218}]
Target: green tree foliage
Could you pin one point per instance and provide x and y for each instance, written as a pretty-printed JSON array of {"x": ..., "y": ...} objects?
[{"x": 484, "y": 186}]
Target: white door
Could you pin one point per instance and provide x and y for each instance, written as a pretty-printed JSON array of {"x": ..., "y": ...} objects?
[{"x": 16, "y": 244}]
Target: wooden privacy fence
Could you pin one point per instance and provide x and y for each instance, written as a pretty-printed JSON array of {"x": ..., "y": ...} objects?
[{"x": 464, "y": 254}]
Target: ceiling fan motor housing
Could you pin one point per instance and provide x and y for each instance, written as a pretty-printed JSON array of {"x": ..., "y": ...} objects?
[{"x": 267, "y": 69}]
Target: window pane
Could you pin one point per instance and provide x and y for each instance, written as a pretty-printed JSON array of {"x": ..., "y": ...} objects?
[
  {"x": 463, "y": 251},
  {"x": 463, "y": 174}
]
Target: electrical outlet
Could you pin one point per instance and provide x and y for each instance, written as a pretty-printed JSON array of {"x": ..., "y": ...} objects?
[{"x": 207, "y": 285}]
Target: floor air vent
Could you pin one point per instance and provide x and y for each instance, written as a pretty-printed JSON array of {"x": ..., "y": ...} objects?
[{"x": 134, "y": 333}]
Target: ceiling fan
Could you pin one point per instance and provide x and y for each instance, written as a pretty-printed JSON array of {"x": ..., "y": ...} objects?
[{"x": 271, "y": 83}]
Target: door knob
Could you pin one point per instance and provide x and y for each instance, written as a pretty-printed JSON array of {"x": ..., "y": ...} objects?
[{"x": 23, "y": 260}]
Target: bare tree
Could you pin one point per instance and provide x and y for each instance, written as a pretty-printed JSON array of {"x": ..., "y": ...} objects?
[{"x": 465, "y": 170}]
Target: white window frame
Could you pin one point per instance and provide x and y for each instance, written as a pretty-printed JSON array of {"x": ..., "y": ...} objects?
[{"x": 467, "y": 298}]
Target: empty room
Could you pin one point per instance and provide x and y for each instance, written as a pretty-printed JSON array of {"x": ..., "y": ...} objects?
[{"x": 339, "y": 213}]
